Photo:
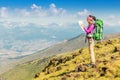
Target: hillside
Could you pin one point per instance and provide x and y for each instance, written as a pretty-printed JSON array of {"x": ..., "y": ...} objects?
[
  {"x": 75, "y": 65},
  {"x": 61, "y": 47},
  {"x": 30, "y": 65},
  {"x": 25, "y": 71}
]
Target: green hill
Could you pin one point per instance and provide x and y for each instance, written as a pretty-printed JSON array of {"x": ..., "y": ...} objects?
[
  {"x": 75, "y": 65},
  {"x": 25, "y": 71}
]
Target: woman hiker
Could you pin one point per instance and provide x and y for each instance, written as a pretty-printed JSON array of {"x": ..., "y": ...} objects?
[{"x": 89, "y": 30}]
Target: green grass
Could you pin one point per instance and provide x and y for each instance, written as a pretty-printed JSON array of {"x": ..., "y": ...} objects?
[{"x": 25, "y": 71}]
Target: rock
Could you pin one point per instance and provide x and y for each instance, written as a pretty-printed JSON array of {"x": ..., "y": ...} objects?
[
  {"x": 109, "y": 42},
  {"x": 80, "y": 51},
  {"x": 117, "y": 49},
  {"x": 58, "y": 68},
  {"x": 102, "y": 74},
  {"x": 36, "y": 76},
  {"x": 74, "y": 62},
  {"x": 74, "y": 55},
  {"x": 60, "y": 60},
  {"x": 112, "y": 57},
  {"x": 97, "y": 46},
  {"x": 103, "y": 71},
  {"x": 80, "y": 68},
  {"x": 68, "y": 75},
  {"x": 56, "y": 63}
]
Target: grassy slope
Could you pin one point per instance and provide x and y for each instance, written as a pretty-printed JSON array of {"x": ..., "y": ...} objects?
[
  {"x": 25, "y": 71},
  {"x": 73, "y": 66}
]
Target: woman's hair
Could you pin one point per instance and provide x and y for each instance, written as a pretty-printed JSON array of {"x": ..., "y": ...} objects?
[{"x": 93, "y": 17}]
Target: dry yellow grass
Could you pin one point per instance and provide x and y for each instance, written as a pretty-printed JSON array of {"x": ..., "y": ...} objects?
[{"x": 63, "y": 66}]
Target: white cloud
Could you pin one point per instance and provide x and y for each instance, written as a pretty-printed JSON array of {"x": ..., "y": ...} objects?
[
  {"x": 56, "y": 11},
  {"x": 10, "y": 25},
  {"x": 54, "y": 37},
  {"x": 111, "y": 21},
  {"x": 36, "y": 15},
  {"x": 111, "y": 17},
  {"x": 51, "y": 11},
  {"x": 85, "y": 12},
  {"x": 38, "y": 11},
  {"x": 22, "y": 13},
  {"x": 39, "y": 15},
  {"x": 34, "y": 6},
  {"x": 119, "y": 22},
  {"x": 3, "y": 12},
  {"x": 52, "y": 5}
]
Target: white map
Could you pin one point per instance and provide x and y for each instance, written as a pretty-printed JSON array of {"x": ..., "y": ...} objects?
[{"x": 81, "y": 23}]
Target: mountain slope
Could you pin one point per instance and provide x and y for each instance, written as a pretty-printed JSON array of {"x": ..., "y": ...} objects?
[
  {"x": 25, "y": 71},
  {"x": 65, "y": 46},
  {"x": 75, "y": 65},
  {"x": 24, "y": 66},
  {"x": 28, "y": 68}
]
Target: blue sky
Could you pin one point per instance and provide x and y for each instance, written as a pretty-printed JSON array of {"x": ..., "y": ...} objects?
[
  {"x": 45, "y": 12},
  {"x": 76, "y": 4}
]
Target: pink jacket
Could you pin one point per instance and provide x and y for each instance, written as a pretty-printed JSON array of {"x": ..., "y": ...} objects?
[{"x": 89, "y": 29}]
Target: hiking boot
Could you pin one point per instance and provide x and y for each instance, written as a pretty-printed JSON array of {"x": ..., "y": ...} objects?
[{"x": 91, "y": 65}]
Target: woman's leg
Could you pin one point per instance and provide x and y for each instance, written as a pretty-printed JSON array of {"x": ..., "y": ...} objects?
[{"x": 91, "y": 50}]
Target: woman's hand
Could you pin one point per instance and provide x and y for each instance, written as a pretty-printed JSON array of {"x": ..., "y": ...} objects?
[{"x": 81, "y": 24}]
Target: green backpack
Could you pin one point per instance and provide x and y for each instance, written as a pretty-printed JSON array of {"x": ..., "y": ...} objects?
[{"x": 98, "y": 32}]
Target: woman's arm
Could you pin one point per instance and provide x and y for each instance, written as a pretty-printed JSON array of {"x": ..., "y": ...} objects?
[{"x": 89, "y": 29}]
